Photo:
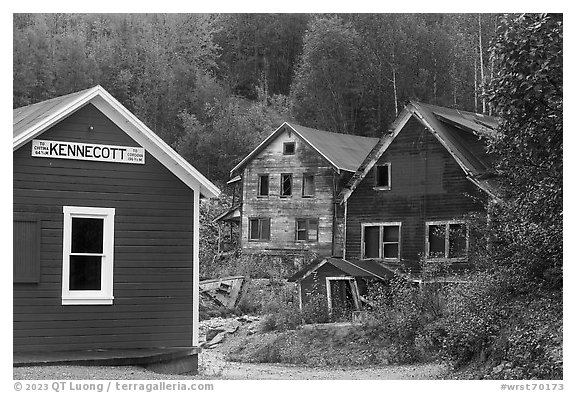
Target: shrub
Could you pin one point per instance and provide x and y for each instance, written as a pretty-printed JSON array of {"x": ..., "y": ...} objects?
[{"x": 404, "y": 313}]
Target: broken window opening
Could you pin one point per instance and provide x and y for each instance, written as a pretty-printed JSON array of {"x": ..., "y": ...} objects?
[
  {"x": 286, "y": 185},
  {"x": 446, "y": 240},
  {"x": 289, "y": 148},
  {"x": 259, "y": 229},
  {"x": 383, "y": 176},
  {"x": 263, "y": 185},
  {"x": 308, "y": 186}
]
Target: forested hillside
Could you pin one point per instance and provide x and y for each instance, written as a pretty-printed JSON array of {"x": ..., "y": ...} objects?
[{"x": 214, "y": 85}]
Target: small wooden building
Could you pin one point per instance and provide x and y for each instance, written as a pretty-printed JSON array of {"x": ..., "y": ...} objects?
[
  {"x": 289, "y": 187},
  {"x": 407, "y": 202},
  {"x": 105, "y": 230}
]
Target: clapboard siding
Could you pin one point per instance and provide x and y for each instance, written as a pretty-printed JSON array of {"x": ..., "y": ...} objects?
[
  {"x": 152, "y": 253},
  {"x": 315, "y": 284},
  {"x": 283, "y": 211},
  {"x": 426, "y": 184}
]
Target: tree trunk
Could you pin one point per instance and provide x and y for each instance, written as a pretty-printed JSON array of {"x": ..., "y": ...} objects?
[{"x": 481, "y": 63}]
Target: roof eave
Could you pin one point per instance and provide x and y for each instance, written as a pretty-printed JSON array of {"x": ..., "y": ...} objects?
[
  {"x": 44, "y": 124},
  {"x": 189, "y": 175}
]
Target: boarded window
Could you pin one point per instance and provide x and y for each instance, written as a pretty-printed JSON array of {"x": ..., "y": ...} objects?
[
  {"x": 307, "y": 229},
  {"x": 308, "y": 187},
  {"x": 446, "y": 240},
  {"x": 382, "y": 241},
  {"x": 263, "y": 183},
  {"x": 383, "y": 173},
  {"x": 286, "y": 185},
  {"x": 26, "y": 248},
  {"x": 259, "y": 229},
  {"x": 289, "y": 148}
]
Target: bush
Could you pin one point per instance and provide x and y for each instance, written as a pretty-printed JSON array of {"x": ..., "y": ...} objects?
[{"x": 406, "y": 315}]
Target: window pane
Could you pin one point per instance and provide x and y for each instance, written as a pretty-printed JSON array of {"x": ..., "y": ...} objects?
[
  {"x": 286, "y": 186},
  {"x": 85, "y": 273},
  {"x": 254, "y": 231},
  {"x": 391, "y": 250},
  {"x": 313, "y": 230},
  {"x": 391, "y": 234},
  {"x": 87, "y": 235},
  {"x": 308, "y": 185},
  {"x": 372, "y": 242},
  {"x": 301, "y": 230},
  {"x": 382, "y": 178},
  {"x": 436, "y": 238},
  {"x": 457, "y": 241},
  {"x": 265, "y": 222},
  {"x": 263, "y": 185}
]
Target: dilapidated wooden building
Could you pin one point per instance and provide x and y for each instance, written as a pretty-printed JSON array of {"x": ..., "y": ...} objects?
[
  {"x": 290, "y": 183},
  {"x": 407, "y": 202},
  {"x": 106, "y": 230}
]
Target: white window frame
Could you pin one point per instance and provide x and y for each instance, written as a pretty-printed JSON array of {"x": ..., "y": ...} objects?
[
  {"x": 389, "y": 185},
  {"x": 105, "y": 294},
  {"x": 446, "y": 224},
  {"x": 381, "y": 225}
]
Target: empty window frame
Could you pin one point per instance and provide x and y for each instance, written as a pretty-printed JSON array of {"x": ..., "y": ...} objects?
[
  {"x": 88, "y": 255},
  {"x": 259, "y": 229},
  {"x": 307, "y": 229},
  {"x": 308, "y": 186},
  {"x": 286, "y": 185},
  {"x": 383, "y": 176},
  {"x": 446, "y": 240},
  {"x": 381, "y": 241},
  {"x": 263, "y": 185},
  {"x": 289, "y": 148}
]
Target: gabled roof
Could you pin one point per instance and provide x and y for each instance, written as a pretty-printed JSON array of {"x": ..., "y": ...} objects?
[
  {"x": 343, "y": 151},
  {"x": 31, "y": 121},
  {"x": 368, "y": 268},
  {"x": 447, "y": 125}
]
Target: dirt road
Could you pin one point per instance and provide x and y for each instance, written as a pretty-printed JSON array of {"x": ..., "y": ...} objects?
[{"x": 213, "y": 366}]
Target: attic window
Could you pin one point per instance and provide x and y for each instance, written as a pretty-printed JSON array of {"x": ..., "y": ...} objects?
[
  {"x": 289, "y": 148},
  {"x": 383, "y": 175}
]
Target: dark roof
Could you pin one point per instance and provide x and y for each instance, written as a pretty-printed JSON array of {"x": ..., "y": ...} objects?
[
  {"x": 343, "y": 151},
  {"x": 26, "y": 116},
  {"x": 232, "y": 214},
  {"x": 458, "y": 131},
  {"x": 368, "y": 268}
]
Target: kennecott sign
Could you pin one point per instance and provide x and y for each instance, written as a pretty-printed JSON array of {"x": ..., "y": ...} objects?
[{"x": 88, "y": 151}]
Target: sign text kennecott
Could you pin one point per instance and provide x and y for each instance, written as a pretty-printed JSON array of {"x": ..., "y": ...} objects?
[{"x": 88, "y": 151}]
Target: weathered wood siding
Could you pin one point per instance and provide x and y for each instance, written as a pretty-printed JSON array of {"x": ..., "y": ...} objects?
[
  {"x": 152, "y": 251},
  {"x": 283, "y": 211},
  {"x": 315, "y": 284},
  {"x": 426, "y": 184}
]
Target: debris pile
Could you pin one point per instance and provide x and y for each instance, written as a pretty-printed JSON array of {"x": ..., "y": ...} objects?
[{"x": 214, "y": 331}]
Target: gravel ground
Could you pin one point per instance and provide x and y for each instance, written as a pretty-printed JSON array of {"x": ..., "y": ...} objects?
[{"x": 213, "y": 366}]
